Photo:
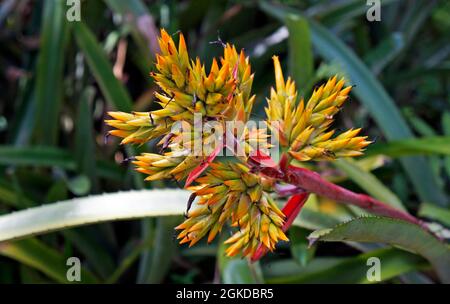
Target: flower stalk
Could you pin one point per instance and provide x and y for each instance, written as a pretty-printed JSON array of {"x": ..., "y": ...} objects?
[{"x": 310, "y": 181}]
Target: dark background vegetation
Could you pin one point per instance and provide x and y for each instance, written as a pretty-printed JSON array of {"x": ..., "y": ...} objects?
[{"x": 58, "y": 79}]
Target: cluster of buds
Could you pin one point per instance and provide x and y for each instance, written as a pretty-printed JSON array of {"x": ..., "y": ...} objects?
[
  {"x": 231, "y": 192},
  {"x": 303, "y": 128}
]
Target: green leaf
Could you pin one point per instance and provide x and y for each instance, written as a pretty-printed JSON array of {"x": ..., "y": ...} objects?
[
  {"x": 112, "y": 89},
  {"x": 135, "y": 7},
  {"x": 92, "y": 209},
  {"x": 11, "y": 197},
  {"x": 394, "y": 232},
  {"x": 143, "y": 29},
  {"x": 301, "y": 61},
  {"x": 369, "y": 183},
  {"x": 385, "y": 52},
  {"x": 3, "y": 123},
  {"x": 23, "y": 124},
  {"x": 96, "y": 255},
  {"x": 314, "y": 219},
  {"x": 338, "y": 12},
  {"x": 128, "y": 260},
  {"x": 79, "y": 185},
  {"x": 37, "y": 156},
  {"x": 418, "y": 124},
  {"x": 84, "y": 137},
  {"x": 435, "y": 213},
  {"x": 301, "y": 252},
  {"x": 414, "y": 17},
  {"x": 57, "y": 192},
  {"x": 50, "y": 65},
  {"x": 414, "y": 146},
  {"x": 37, "y": 255},
  {"x": 446, "y": 123},
  {"x": 31, "y": 276},
  {"x": 343, "y": 270},
  {"x": 373, "y": 96},
  {"x": 446, "y": 129},
  {"x": 163, "y": 249}
]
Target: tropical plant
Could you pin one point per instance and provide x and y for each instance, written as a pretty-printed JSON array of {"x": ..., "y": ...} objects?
[
  {"x": 240, "y": 192},
  {"x": 65, "y": 191}
]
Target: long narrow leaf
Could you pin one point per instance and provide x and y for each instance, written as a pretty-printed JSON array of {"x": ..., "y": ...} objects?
[
  {"x": 369, "y": 183},
  {"x": 435, "y": 213},
  {"x": 162, "y": 253},
  {"x": 92, "y": 209},
  {"x": 301, "y": 61},
  {"x": 112, "y": 89},
  {"x": 36, "y": 254},
  {"x": 236, "y": 270},
  {"x": 413, "y": 146},
  {"x": 37, "y": 156},
  {"x": 84, "y": 138},
  {"x": 96, "y": 254},
  {"x": 143, "y": 28},
  {"x": 394, "y": 232},
  {"x": 343, "y": 270},
  {"x": 50, "y": 71}
]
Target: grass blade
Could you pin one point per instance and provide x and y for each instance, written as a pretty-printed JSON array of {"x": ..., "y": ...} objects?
[
  {"x": 301, "y": 61},
  {"x": 112, "y": 89},
  {"x": 37, "y": 156},
  {"x": 84, "y": 240},
  {"x": 48, "y": 157},
  {"x": 50, "y": 65},
  {"x": 435, "y": 213},
  {"x": 369, "y": 183},
  {"x": 385, "y": 52},
  {"x": 162, "y": 252},
  {"x": 414, "y": 146},
  {"x": 38, "y": 255},
  {"x": 84, "y": 138},
  {"x": 301, "y": 252}
]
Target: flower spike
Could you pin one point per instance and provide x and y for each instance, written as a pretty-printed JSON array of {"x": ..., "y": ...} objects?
[
  {"x": 241, "y": 192},
  {"x": 303, "y": 127}
]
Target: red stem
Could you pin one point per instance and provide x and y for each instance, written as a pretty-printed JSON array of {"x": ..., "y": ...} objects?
[{"x": 312, "y": 182}]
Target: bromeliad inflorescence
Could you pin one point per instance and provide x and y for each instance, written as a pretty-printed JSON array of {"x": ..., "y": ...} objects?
[{"x": 241, "y": 190}]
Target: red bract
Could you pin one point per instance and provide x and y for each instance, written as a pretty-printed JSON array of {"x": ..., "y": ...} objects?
[{"x": 203, "y": 166}]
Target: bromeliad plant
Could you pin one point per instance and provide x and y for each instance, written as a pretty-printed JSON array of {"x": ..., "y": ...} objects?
[{"x": 241, "y": 191}]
